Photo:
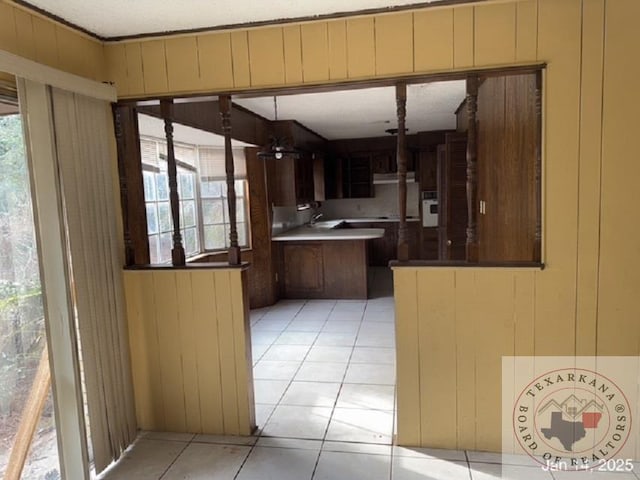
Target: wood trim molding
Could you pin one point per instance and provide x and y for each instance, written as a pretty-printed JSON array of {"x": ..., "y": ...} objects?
[
  {"x": 465, "y": 264},
  {"x": 24, "y": 68},
  {"x": 234, "y": 26}
]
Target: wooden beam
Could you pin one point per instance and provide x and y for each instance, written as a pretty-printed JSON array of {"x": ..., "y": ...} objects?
[
  {"x": 178, "y": 257},
  {"x": 224, "y": 102},
  {"x": 401, "y": 107},
  {"x": 134, "y": 214},
  {"x": 537, "y": 243},
  {"x": 30, "y": 417},
  {"x": 247, "y": 126},
  {"x": 472, "y": 170}
]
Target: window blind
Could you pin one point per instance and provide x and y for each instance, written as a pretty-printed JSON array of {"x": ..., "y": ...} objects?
[{"x": 212, "y": 162}]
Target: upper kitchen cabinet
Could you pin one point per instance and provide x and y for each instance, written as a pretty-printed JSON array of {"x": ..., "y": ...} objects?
[
  {"x": 290, "y": 180},
  {"x": 357, "y": 176},
  {"x": 293, "y": 179}
]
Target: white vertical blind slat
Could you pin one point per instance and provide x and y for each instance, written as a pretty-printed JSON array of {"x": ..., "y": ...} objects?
[{"x": 82, "y": 126}]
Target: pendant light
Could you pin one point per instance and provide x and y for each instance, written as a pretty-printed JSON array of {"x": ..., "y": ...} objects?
[{"x": 279, "y": 146}]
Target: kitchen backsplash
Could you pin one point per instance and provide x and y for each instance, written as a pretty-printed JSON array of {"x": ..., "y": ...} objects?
[
  {"x": 286, "y": 218},
  {"x": 385, "y": 203}
]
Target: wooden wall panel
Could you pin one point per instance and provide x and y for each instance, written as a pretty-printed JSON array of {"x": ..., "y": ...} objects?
[
  {"x": 589, "y": 176},
  {"x": 205, "y": 323},
  {"x": 407, "y": 357},
  {"x": 292, "y": 54},
  {"x": 46, "y": 44},
  {"x": 495, "y": 33},
  {"x": 463, "y": 37},
  {"x": 361, "y": 56},
  {"x": 116, "y": 65},
  {"x": 315, "y": 52},
  {"x": 394, "y": 44},
  {"x": 191, "y": 357},
  {"x": 526, "y": 31},
  {"x": 188, "y": 354},
  {"x": 154, "y": 66},
  {"x": 266, "y": 56},
  {"x": 559, "y": 44},
  {"x": 167, "y": 321},
  {"x": 24, "y": 34},
  {"x": 8, "y": 35},
  {"x": 215, "y": 61},
  {"x": 135, "y": 78},
  {"x": 619, "y": 276},
  {"x": 466, "y": 325},
  {"x": 438, "y": 382},
  {"x": 240, "y": 59},
  {"x": 337, "y": 36},
  {"x": 183, "y": 71},
  {"x": 433, "y": 39}
]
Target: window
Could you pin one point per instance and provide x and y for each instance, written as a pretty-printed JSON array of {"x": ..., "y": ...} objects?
[{"x": 204, "y": 214}]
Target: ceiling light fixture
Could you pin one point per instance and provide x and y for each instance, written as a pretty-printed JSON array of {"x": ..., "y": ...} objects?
[{"x": 279, "y": 146}]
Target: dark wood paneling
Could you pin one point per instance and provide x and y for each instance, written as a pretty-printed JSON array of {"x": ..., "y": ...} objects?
[
  {"x": 319, "y": 181},
  {"x": 507, "y": 152},
  {"x": 263, "y": 290}
]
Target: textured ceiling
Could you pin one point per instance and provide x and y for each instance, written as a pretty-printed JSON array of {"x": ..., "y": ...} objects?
[
  {"x": 115, "y": 18},
  {"x": 365, "y": 112}
]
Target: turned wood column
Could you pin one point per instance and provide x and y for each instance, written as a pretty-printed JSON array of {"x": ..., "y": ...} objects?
[
  {"x": 472, "y": 170},
  {"x": 225, "y": 112},
  {"x": 134, "y": 215},
  {"x": 401, "y": 156},
  {"x": 537, "y": 243},
  {"x": 177, "y": 252}
]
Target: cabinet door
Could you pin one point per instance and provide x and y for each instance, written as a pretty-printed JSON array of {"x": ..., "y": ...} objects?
[
  {"x": 303, "y": 268},
  {"x": 281, "y": 181},
  {"x": 359, "y": 179}
]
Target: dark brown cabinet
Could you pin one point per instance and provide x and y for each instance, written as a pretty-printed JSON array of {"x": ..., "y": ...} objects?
[
  {"x": 357, "y": 177},
  {"x": 290, "y": 180},
  {"x": 324, "y": 269}
]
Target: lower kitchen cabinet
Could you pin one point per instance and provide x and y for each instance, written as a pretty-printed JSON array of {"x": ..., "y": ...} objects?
[
  {"x": 385, "y": 249},
  {"x": 323, "y": 269}
]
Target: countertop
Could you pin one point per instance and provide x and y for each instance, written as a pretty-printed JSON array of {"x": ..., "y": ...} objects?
[
  {"x": 307, "y": 233},
  {"x": 375, "y": 219}
]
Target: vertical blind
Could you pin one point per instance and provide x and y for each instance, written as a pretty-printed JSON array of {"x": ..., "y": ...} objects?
[{"x": 83, "y": 153}]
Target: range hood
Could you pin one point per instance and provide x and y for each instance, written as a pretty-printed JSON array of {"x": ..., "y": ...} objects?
[{"x": 389, "y": 178}]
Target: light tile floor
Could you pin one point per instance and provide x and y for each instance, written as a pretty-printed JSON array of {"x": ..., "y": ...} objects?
[{"x": 325, "y": 394}]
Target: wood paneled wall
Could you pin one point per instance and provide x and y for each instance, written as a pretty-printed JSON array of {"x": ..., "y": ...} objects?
[
  {"x": 32, "y": 36},
  {"x": 584, "y": 302},
  {"x": 455, "y": 324},
  {"x": 190, "y": 350},
  {"x": 429, "y": 40}
]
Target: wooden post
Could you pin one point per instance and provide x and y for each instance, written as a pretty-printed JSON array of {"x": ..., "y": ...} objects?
[
  {"x": 537, "y": 244},
  {"x": 472, "y": 170},
  {"x": 401, "y": 155},
  {"x": 134, "y": 214},
  {"x": 129, "y": 254},
  {"x": 30, "y": 417},
  {"x": 225, "y": 112},
  {"x": 178, "y": 257}
]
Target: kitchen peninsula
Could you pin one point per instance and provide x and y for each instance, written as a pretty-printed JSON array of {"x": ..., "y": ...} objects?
[{"x": 324, "y": 260}]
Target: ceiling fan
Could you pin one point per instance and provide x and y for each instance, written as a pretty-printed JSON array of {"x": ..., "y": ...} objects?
[{"x": 279, "y": 147}]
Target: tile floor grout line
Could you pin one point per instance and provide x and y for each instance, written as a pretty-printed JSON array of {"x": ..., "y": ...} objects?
[
  {"x": 284, "y": 392},
  {"x": 175, "y": 460}
]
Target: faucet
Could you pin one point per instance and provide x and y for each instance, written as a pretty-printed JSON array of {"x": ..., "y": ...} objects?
[{"x": 314, "y": 218}]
